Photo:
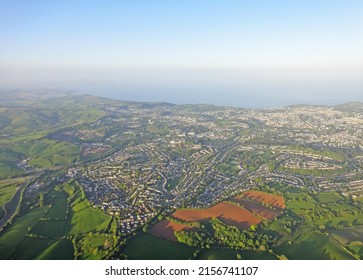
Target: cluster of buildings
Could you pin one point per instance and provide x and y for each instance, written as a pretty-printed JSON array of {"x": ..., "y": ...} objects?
[{"x": 172, "y": 156}]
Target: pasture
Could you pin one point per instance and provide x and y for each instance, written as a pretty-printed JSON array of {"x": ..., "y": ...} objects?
[
  {"x": 59, "y": 250},
  {"x": 218, "y": 254},
  {"x": 51, "y": 229},
  {"x": 16, "y": 232},
  {"x": 150, "y": 247},
  {"x": 347, "y": 235},
  {"x": 328, "y": 197},
  {"x": 29, "y": 248},
  {"x": 94, "y": 246},
  {"x": 7, "y": 191},
  {"x": 88, "y": 219},
  {"x": 314, "y": 246},
  {"x": 59, "y": 206}
]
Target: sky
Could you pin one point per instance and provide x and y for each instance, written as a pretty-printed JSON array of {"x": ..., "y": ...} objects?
[{"x": 242, "y": 53}]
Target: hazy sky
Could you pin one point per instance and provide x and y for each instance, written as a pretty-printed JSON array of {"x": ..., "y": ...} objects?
[{"x": 224, "y": 52}]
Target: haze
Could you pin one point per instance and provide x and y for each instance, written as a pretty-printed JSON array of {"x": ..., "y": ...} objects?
[{"x": 241, "y": 53}]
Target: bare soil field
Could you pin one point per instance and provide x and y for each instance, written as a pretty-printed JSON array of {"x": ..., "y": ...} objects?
[
  {"x": 228, "y": 213},
  {"x": 166, "y": 229},
  {"x": 262, "y": 197},
  {"x": 257, "y": 208}
]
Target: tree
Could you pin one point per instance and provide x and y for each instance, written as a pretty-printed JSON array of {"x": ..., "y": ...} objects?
[{"x": 41, "y": 199}]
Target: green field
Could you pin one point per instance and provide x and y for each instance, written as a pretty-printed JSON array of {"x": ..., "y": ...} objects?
[
  {"x": 329, "y": 197},
  {"x": 7, "y": 191},
  {"x": 257, "y": 255},
  {"x": 59, "y": 205},
  {"x": 49, "y": 153},
  {"x": 15, "y": 233},
  {"x": 149, "y": 247},
  {"x": 8, "y": 160},
  {"x": 30, "y": 234},
  {"x": 228, "y": 168},
  {"x": 88, "y": 219},
  {"x": 94, "y": 246},
  {"x": 357, "y": 250},
  {"x": 29, "y": 248},
  {"x": 347, "y": 235},
  {"x": 173, "y": 182},
  {"x": 59, "y": 250},
  {"x": 299, "y": 202},
  {"x": 218, "y": 254},
  {"x": 314, "y": 246},
  {"x": 342, "y": 221},
  {"x": 43, "y": 153},
  {"x": 51, "y": 229}
]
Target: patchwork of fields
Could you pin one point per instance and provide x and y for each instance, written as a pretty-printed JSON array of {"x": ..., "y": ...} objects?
[
  {"x": 238, "y": 212},
  {"x": 45, "y": 231}
]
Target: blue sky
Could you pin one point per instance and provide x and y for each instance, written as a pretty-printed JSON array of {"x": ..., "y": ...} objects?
[{"x": 241, "y": 47}]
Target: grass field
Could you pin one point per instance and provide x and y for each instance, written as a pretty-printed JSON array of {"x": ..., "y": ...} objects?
[
  {"x": 88, "y": 219},
  {"x": 228, "y": 168},
  {"x": 29, "y": 248},
  {"x": 173, "y": 183},
  {"x": 314, "y": 246},
  {"x": 30, "y": 235},
  {"x": 15, "y": 233},
  {"x": 42, "y": 153},
  {"x": 341, "y": 221},
  {"x": 94, "y": 246},
  {"x": 51, "y": 229},
  {"x": 218, "y": 254},
  {"x": 149, "y": 247},
  {"x": 49, "y": 153},
  {"x": 357, "y": 250},
  {"x": 299, "y": 202},
  {"x": 347, "y": 235},
  {"x": 8, "y": 160},
  {"x": 329, "y": 197},
  {"x": 59, "y": 205},
  {"x": 257, "y": 255},
  {"x": 59, "y": 250},
  {"x": 7, "y": 191}
]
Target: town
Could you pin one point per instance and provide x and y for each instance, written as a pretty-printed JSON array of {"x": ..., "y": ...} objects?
[{"x": 194, "y": 156}]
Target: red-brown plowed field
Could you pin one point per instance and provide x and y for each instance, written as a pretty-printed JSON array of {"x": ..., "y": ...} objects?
[
  {"x": 257, "y": 208},
  {"x": 165, "y": 229},
  {"x": 228, "y": 213},
  {"x": 268, "y": 198}
]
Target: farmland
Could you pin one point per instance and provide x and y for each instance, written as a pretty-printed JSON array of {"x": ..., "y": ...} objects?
[
  {"x": 59, "y": 250},
  {"x": 8, "y": 189},
  {"x": 315, "y": 246},
  {"x": 228, "y": 213},
  {"x": 86, "y": 219},
  {"x": 43, "y": 231},
  {"x": 150, "y": 247},
  {"x": 15, "y": 233},
  {"x": 348, "y": 235},
  {"x": 94, "y": 178},
  {"x": 166, "y": 229},
  {"x": 256, "y": 208},
  {"x": 265, "y": 198}
]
